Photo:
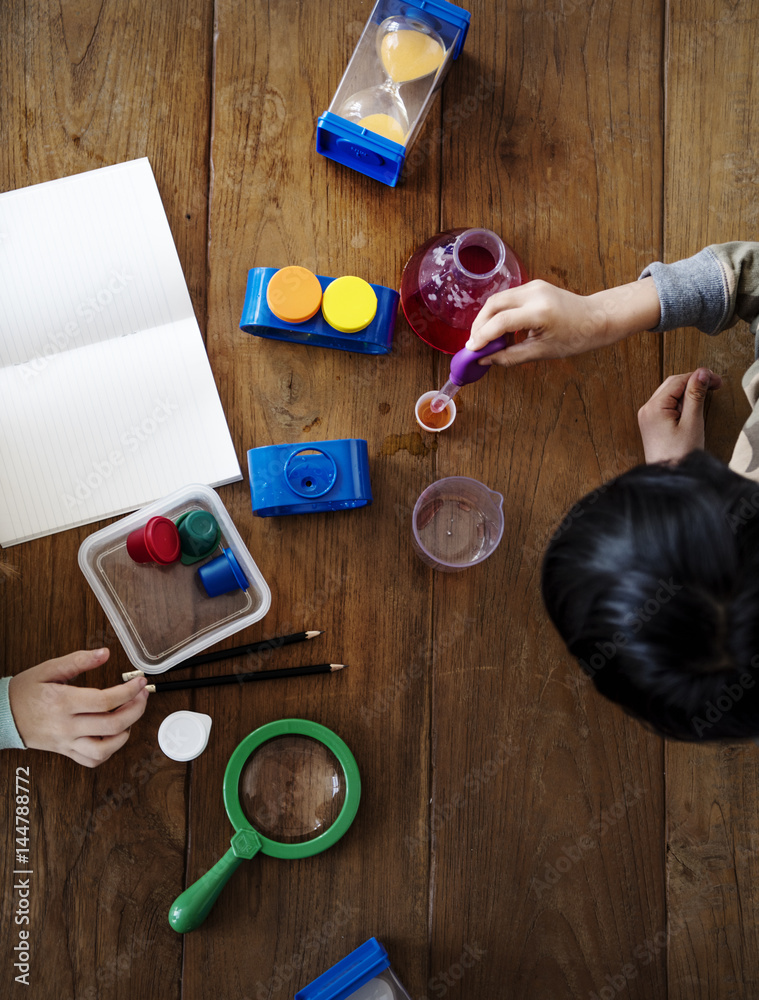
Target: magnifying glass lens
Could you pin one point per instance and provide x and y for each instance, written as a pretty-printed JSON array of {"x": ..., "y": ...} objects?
[{"x": 292, "y": 789}]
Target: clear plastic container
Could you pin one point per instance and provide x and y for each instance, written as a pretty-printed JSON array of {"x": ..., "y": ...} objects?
[
  {"x": 457, "y": 522},
  {"x": 162, "y": 614}
]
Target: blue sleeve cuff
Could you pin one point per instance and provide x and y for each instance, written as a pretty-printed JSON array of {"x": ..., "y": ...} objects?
[
  {"x": 692, "y": 292},
  {"x": 9, "y": 736}
]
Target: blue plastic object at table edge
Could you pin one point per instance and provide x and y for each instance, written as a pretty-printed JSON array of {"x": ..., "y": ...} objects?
[
  {"x": 361, "y": 149},
  {"x": 258, "y": 319},
  {"x": 349, "y": 974},
  {"x": 309, "y": 477}
]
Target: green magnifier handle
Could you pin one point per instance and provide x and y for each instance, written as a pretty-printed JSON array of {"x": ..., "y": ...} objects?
[{"x": 191, "y": 908}]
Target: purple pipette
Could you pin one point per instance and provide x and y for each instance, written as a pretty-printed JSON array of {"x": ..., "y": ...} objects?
[{"x": 465, "y": 369}]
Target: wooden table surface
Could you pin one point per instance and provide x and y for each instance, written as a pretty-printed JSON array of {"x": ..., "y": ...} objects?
[{"x": 517, "y": 836}]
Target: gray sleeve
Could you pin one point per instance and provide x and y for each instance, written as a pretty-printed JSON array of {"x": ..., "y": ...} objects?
[
  {"x": 9, "y": 736},
  {"x": 712, "y": 290},
  {"x": 692, "y": 292}
]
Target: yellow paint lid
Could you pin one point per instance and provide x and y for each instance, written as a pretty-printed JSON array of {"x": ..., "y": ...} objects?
[
  {"x": 349, "y": 304},
  {"x": 294, "y": 294}
]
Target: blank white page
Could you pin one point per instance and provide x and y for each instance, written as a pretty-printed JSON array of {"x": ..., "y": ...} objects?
[{"x": 107, "y": 399}]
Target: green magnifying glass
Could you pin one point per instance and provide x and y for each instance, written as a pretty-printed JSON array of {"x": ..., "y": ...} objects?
[{"x": 291, "y": 789}]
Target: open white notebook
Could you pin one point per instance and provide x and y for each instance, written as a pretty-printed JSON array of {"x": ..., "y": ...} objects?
[{"x": 107, "y": 399}]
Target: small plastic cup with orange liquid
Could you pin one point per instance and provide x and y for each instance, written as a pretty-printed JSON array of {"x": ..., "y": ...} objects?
[{"x": 432, "y": 420}]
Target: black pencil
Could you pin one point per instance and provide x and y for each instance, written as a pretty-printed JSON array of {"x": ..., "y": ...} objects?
[
  {"x": 227, "y": 654},
  {"x": 255, "y": 675},
  {"x": 254, "y": 647}
]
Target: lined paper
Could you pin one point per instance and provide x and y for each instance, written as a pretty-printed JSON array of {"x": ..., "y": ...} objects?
[{"x": 107, "y": 399}]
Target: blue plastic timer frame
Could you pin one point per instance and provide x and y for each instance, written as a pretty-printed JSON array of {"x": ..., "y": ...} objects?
[
  {"x": 360, "y": 148},
  {"x": 351, "y": 973},
  {"x": 258, "y": 319}
]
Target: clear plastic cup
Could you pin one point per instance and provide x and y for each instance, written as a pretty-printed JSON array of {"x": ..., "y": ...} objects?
[
  {"x": 444, "y": 418},
  {"x": 457, "y": 522}
]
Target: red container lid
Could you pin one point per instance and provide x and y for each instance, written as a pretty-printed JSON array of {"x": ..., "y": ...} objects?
[{"x": 162, "y": 540}]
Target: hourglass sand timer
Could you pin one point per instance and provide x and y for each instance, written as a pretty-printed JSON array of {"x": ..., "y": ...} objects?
[
  {"x": 409, "y": 51},
  {"x": 397, "y": 66}
]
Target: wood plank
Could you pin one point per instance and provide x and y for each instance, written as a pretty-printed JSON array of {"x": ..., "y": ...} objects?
[
  {"x": 512, "y": 822},
  {"x": 551, "y": 865},
  {"x": 276, "y": 202},
  {"x": 84, "y": 85},
  {"x": 710, "y": 197}
]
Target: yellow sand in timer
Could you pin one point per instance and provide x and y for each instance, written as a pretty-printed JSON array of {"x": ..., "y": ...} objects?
[
  {"x": 384, "y": 125},
  {"x": 406, "y": 55},
  {"x": 409, "y": 55},
  {"x": 409, "y": 51}
]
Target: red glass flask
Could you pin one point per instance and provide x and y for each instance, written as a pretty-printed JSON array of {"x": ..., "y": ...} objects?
[{"x": 448, "y": 280}]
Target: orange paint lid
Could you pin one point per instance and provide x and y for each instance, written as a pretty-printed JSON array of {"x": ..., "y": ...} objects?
[{"x": 294, "y": 294}]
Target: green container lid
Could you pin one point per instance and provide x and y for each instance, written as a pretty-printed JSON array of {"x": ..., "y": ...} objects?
[{"x": 199, "y": 535}]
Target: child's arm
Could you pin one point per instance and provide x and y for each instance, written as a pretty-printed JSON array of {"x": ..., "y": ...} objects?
[
  {"x": 710, "y": 291},
  {"x": 559, "y": 323},
  {"x": 86, "y": 724}
]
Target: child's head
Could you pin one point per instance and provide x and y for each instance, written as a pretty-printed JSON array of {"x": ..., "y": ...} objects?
[{"x": 653, "y": 582}]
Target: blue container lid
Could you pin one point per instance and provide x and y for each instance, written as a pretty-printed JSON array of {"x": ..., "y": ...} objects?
[
  {"x": 242, "y": 581},
  {"x": 222, "y": 575},
  {"x": 343, "y": 979}
]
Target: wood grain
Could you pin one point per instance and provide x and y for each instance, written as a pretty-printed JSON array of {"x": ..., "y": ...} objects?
[
  {"x": 274, "y": 202},
  {"x": 85, "y": 85},
  {"x": 712, "y": 802},
  {"x": 516, "y": 836},
  {"x": 573, "y": 810}
]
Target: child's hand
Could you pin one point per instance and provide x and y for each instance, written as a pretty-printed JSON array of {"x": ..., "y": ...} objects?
[
  {"x": 672, "y": 421},
  {"x": 85, "y": 724},
  {"x": 559, "y": 323}
]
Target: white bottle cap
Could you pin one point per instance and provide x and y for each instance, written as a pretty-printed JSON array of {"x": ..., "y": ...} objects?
[{"x": 184, "y": 735}]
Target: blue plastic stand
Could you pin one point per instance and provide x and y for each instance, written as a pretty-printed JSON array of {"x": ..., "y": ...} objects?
[
  {"x": 257, "y": 318},
  {"x": 348, "y": 143},
  {"x": 350, "y": 973},
  {"x": 345, "y": 141},
  {"x": 309, "y": 477}
]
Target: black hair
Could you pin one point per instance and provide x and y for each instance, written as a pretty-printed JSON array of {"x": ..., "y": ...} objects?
[{"x": 652, "y": 580}]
